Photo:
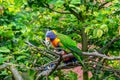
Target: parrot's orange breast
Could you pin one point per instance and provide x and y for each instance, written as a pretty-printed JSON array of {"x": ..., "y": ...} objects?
[{"x": 55, "y": 42}]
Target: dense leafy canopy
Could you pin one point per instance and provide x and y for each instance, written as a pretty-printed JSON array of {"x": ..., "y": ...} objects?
[{"x": 28, "y": 20}]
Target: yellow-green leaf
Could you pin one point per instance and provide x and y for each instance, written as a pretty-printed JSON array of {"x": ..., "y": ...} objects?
[
  {"x": 4, "y": 49},
  {"x": 11, "y": 9},
  {"x": 104, "y": 27},
  {"x": 119, "y": 30},
  {"x": 95, "y": 13},
  {"x": 0, "y": 1},
  {"x": 99, "y": 33},
  {"x": 87, "y": 30},
  {"x": 94, "y": 33}
]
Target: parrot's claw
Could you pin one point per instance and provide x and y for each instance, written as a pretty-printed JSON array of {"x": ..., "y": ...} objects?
[{"x": 51, "y": 66}]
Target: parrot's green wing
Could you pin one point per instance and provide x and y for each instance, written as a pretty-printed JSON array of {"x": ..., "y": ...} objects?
[
  {"x": 71, "y": 45},
  {"x": 68, "y": 42}
]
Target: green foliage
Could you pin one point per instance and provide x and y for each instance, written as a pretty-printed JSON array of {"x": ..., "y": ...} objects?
[
  {"x": 3, "y": 59},
  {"x": 4, "y": 49},
  {"x": 71, "y": 76},
  {"x": 28, "y": 20}
]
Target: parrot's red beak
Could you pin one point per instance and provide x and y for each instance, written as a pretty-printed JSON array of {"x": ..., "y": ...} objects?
[{"x": 47, "y": 39}]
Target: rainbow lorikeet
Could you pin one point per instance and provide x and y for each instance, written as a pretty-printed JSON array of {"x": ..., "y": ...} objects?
[
  {"x": 52, "y": 37},
  {"x": 63, "y": 41}
]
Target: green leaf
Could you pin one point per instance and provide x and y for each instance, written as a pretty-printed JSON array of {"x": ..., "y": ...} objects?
[
  {"x": 94, "y": 33},
  {"x": 82, "y": 8},
  {"x": 95, "y": 13},
  {"x": 87, "y": 29},
  {"x": 104, "y": 27},
  {"x": 75, "y": 1},
  {"x": 8, "y": 33},
  {"x": 72, "y": 76},
  {"x": 3, "y": 59},
  {"x": 4, "y": 72},
  {"x": 21, "y": 57},
  {"x": 4, "y": 49},
  {"x": 99, "y": 33}
]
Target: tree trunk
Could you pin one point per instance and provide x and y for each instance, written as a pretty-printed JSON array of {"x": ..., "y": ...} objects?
[
  {"x": 84, "y": 40},
  {"x": 84, "y": 48}
]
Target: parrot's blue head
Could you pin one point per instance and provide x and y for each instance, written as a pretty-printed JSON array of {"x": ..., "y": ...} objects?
[{"x": 50, "y": 35}]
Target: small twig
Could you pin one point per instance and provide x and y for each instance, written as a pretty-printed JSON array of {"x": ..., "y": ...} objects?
[
  {"x": 63, "y": 12},
  {"x": 3, "y": 66},
  {"x": 96, "y": 54},
  {"x": 41, "y": 50},
  {"x": 101, "y": 55},
  {"x": 69, "y": 65},
  {"x": 102, "y": 5},
  {"x": 68, "y": 55}
]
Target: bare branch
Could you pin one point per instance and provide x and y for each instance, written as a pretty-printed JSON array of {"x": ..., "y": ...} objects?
[
  {"x": 50, "y": 71},
  {"x": 63, "y": 12},
  {"x": 96, "y": 54},
  {"x": 105, "y": 3},
  {"x": 100, "y": 55},
  {"x": 68, "y": 55},
  {"x": 31, "y": 45},
  {"x": 39, "y": 49},
  {"x": 58, "y": 11},
  {"x": 56, "y": 65},
  {"x": 3, "y": 66},
  {"x": 69, "y": 65},
  {"x": 77, "y": 15},
  {"x": 109, "y": 44},
  {"x": 15, "y": 73}
]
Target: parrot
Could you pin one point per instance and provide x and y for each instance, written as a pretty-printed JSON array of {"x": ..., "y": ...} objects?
[{"x": 59, "y": 40}]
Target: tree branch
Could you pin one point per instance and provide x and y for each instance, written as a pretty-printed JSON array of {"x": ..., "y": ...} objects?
[
  {"x": 50, "y": 71},
  {"x": 69, "y": 65},
  {"x": 97, "y": 54},
  {"x": 48, "y": 7},
  {"x": 39, "y": 49},
  {"x": 56, "y": 65},
  {"x": 102, "y": 5},
  {"x": 77, "y": 15},
  {"x": 15, "y": 73},
  {"x": 100, "y": 55},
  {"x": 3, "y": 66},
  {"x": 12, "y": 68},
  {"x": 109, "y": 44}
]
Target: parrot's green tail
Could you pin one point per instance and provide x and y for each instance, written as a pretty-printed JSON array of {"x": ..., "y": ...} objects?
[{"x": 76, "y": 52}]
